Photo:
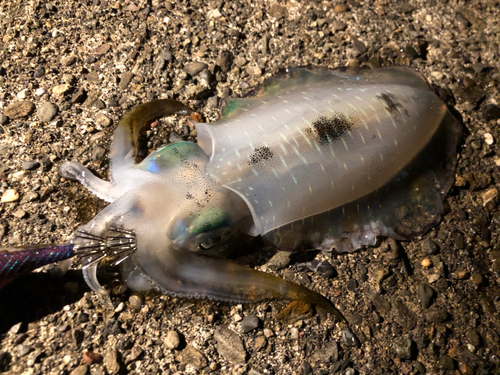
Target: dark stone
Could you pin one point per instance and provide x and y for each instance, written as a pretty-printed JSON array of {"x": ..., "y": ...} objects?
[
  {"x": 425, "y": 295},
  {"x": 352, "y": 285},
  {"x": 359, "y": 47},
  {"x": 77, "y": 335},
  {"x": 46, "y": 164},
  {"x": 491, "y": 112},
  {"x": 406, "y": 318},
  {"x": 30, "y": 165},
  {"x": 446, "y": 363},
  {"x": 473, "y": 338},
  {"x": 403, "y": 346},
  {"x": 419, "y": 366},
  {"x": 79, "y": 96},
  {"x": 39, "y": 72},
  {"x": 325, "y": 269},
  {"x": 429, "y": 247},
  {"x": 411, "y": 52},
  {"x": 5, "y": 358},
  {"x": 3, "y": 119},
  {"x": 249, "y": 323},
  {"x": 381, "y": 304},
  {"x": 436, "y": 315},
  {"x": 349, "y": 337},
  {"x": 111, "y": 327},
  {"x": 224, "y": 61},
  {"x": 306, "y": 368}
]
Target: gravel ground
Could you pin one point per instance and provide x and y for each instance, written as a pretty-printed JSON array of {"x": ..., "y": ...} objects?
[{"x": 70, "y": 69}]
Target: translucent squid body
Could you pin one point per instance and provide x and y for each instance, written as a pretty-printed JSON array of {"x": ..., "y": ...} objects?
[{"x": 316, "y": 159}]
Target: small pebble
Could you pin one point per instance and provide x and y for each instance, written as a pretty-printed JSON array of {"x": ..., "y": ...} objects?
[
  {"x": 10, "y": 195},
  {"x": 426, "y": 262},
  {"x": 60, "y": 90},
  {"x": 268, "y": 332},
  {"x": 22, "y": 350},
  {"x": 194, "y": 68},
  {"x": 125, "y": 80},
  {"x": 3, "y": 119},
  {"x": 260, "y": 343},
  {"x": 425, "y": 295},
  {"x": 429, "y": 247},
  {"x": 279, "y": 260},
  {"x": 352, "y": 284},
  {"x": 172, "y": 341},
  {"x": 19, "y": 109},
  {"x": 230, "y": 345},
  {"x": 306, "y": 368},
  {"x": 103, "y": 120},
  {"x": 489, "y": 195},
  {"x": 80, "y": 370},
  {"x": 350, "y": 339},
  {"x": 446, "y": 363},
  {"x": 433, "y": 278},
  {"x": 403, "y": 346},
  {"x": 111, "y": 362},
  {"x": 477, "y": 279},
  {"x": 254, "y": 71},
  {"x": 340, "y": 8},
  {"x": 30, "y": 165},
  {"x": 488, "y": 138},
  {"x": 47, "y": 112},
  {"x": 249, "y": 323},
  {"x": 213, "y": 102},
  {"x": 135, "y": 302},
  {"x": 237, "y": 318},
  {"x": 192, "y": 356}
]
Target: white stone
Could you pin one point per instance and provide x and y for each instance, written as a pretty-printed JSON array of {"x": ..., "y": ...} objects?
[
  {"x": 10, "y": 195},
  {"x": 488, "y": 138}
]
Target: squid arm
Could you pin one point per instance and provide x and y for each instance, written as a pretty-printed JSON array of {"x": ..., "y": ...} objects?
[{"x": 191, "y": 275}]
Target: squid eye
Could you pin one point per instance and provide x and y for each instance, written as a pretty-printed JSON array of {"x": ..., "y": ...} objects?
[{"x": 208, "y": 243}]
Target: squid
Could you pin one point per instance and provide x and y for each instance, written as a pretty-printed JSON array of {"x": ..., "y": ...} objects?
[{"x": 315, "y": 158}]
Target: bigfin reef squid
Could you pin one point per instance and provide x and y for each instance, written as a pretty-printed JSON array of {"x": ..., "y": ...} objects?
[{"x": 314, "y": 159}]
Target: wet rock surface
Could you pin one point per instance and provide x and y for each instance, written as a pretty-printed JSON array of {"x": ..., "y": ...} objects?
[{"x": 69, "y": 70}]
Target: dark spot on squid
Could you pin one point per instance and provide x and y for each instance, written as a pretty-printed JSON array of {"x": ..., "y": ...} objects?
[
  {"x": 260, "y": 154},
  {"x": 392, "y": 104},
  {"x": 331, "y": 128},
  {"x": 189, "y": 196}
]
